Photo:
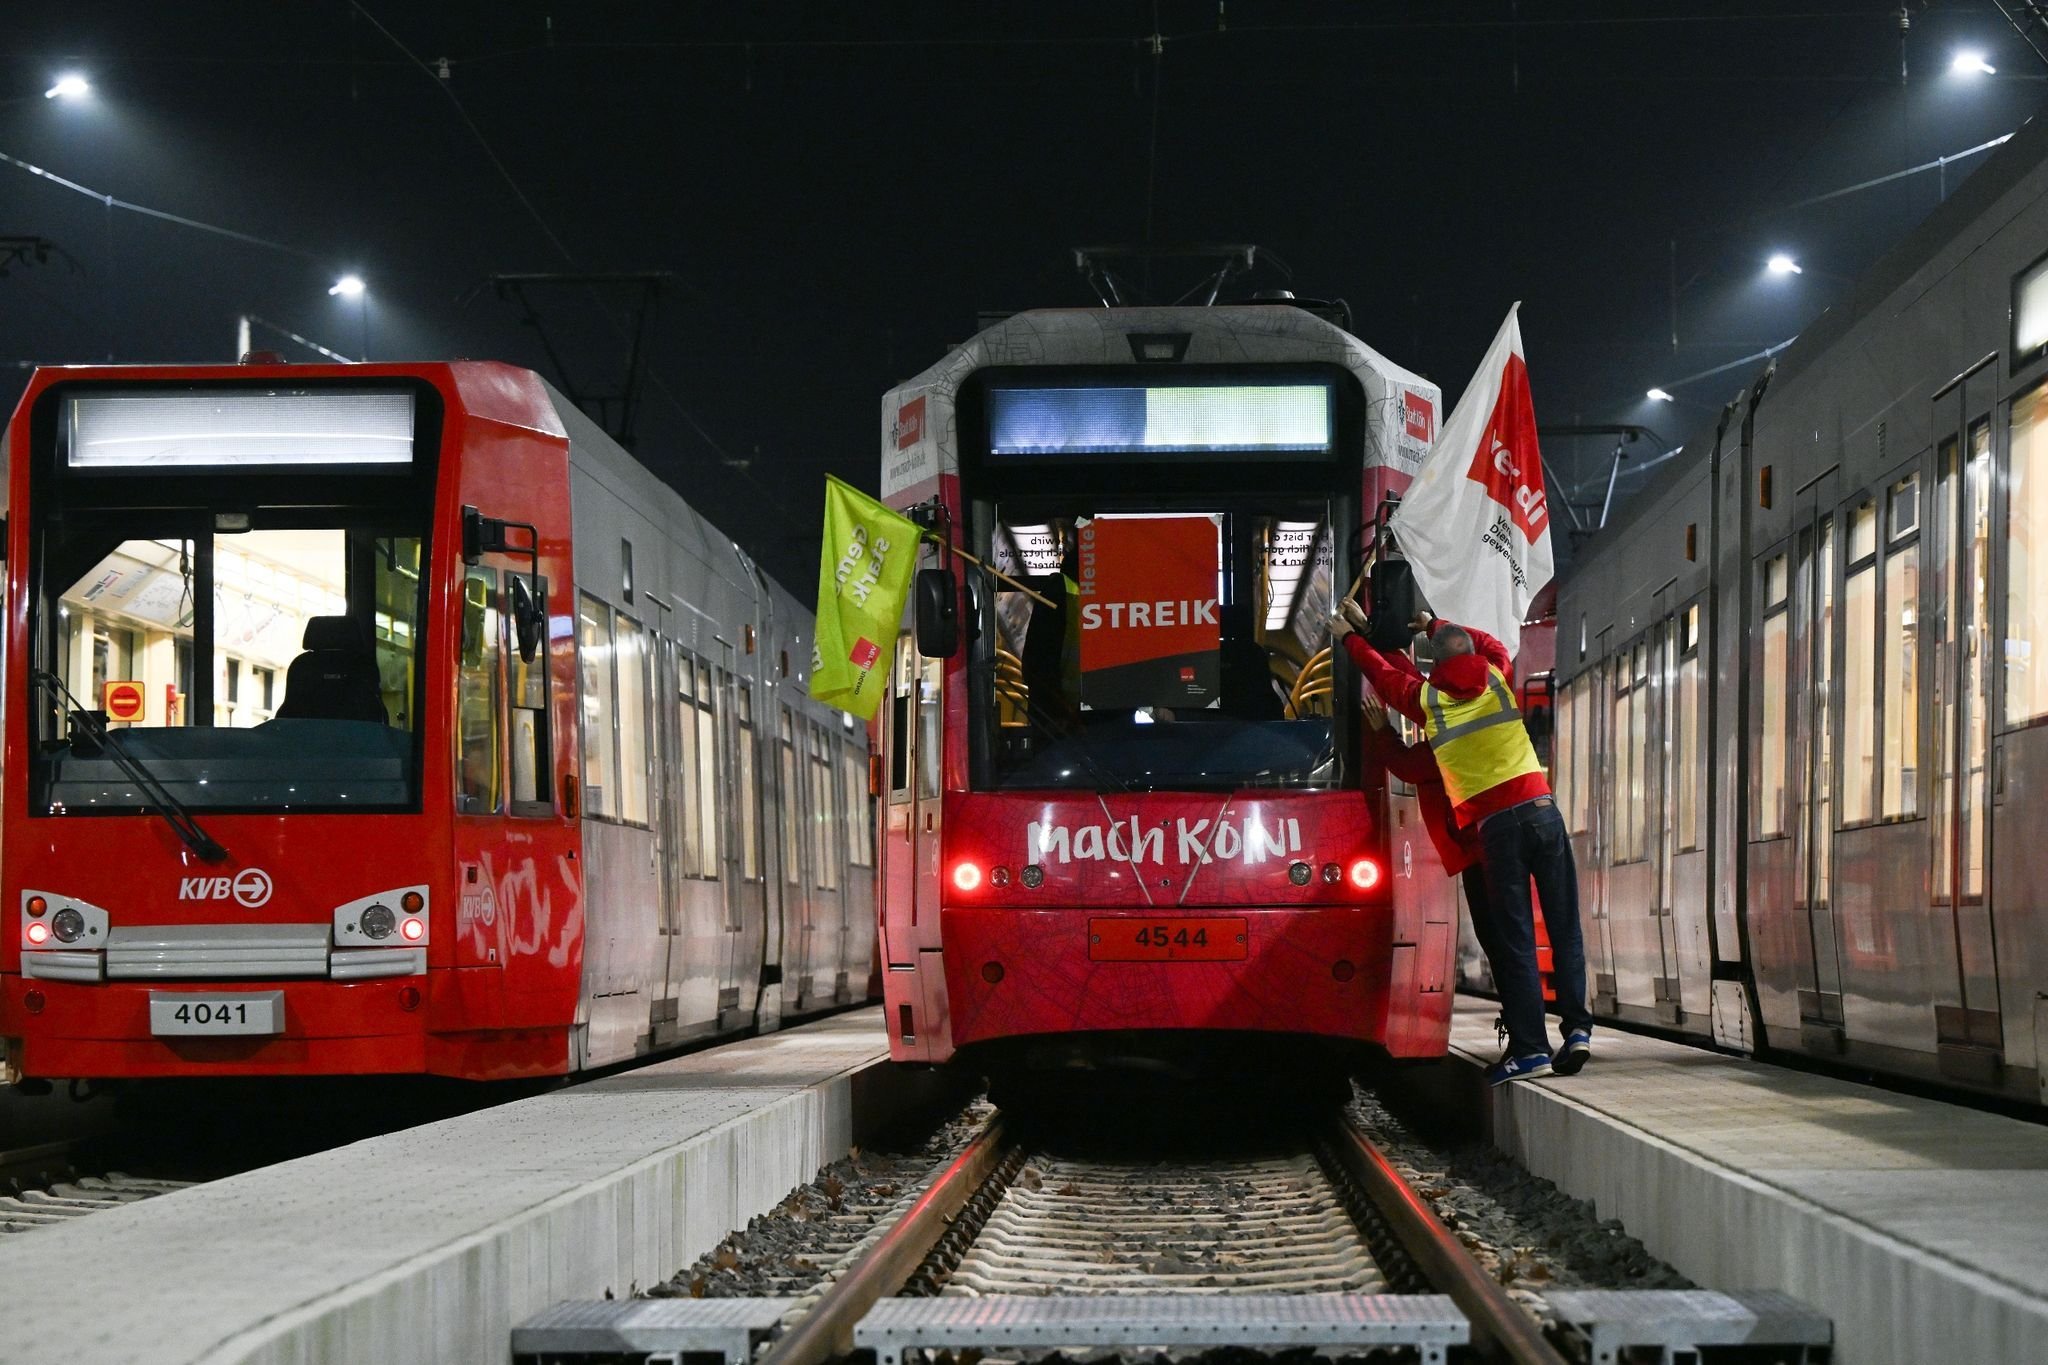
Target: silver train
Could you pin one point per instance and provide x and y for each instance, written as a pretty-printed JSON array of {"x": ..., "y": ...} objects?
[
  {"x": 1803, "y": 716},
  {"x": 747, "y": 895}
]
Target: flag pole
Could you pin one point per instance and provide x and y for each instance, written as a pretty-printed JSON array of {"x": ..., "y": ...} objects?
[{"x": 1034, "y": 595}]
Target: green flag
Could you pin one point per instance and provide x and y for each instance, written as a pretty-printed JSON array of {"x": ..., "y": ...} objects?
[{"x": 863, "y": 578}]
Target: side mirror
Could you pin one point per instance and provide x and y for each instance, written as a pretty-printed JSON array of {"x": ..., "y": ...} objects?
[
  {"x": 1393, "y": 604},
  {"x": 529, "y": 620},
  {"x": 937, "y": 613}
]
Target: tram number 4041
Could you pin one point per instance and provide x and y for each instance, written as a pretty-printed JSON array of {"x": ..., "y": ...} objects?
[
  {"x": 180, "y": 1013},
  {"x": 1188, "y": 939}
]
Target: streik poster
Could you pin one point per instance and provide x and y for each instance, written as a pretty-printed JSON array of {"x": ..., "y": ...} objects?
[{"x": 1149, "y": 632}]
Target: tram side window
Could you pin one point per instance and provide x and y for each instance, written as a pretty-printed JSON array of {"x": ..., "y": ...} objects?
[
  {"x": 2026, "y": 550},
  {"x": 477, "y": 696},
  {"x": 708, "y": 795},
  {"x": 697, "y": 775},
  {"x": 792, "y": 798},
  {"x": 1771, "y": 716},
  {"x": 1859, "y": 673},
  {"x": 824, "y": 812},
  {"x": 533, "y": 760},
  {"x": 1625, "y": 817},
  {"x": 1901, "y": 748},
  {"x": 929, "y": 716},
  {"x": 860, "y": 807},
  {"x": 600, "y": 754},
  {"x": 750, "y": 790},
  {"x": 1561, "y": 776},
  {"x": 901, "y": 682},
  {"x": 1690, "y": 738},
  {"x": 634, "y": 759}
]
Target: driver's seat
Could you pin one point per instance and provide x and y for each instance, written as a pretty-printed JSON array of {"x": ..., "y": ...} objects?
[{"x": 336, "y": 678}]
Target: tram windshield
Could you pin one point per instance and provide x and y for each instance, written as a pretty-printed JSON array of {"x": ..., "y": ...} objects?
[
  {"x": 1164, "y": 649},
  {"x": 251, "y": 639}
]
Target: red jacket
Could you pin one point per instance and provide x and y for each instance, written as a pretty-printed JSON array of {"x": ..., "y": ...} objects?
[
  {"x": 1463, "y": 676},
  {"x": 1457, "y": 846}
]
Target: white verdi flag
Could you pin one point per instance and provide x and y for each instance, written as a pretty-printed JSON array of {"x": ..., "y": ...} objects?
[{"x": 1475, "y": 524}]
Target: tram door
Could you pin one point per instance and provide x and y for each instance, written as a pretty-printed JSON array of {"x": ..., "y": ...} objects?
[
  {"x": 668, "y": 840},
  {"x": 1815, "y": 561},
  {"x": 1968, "y": 1029}
]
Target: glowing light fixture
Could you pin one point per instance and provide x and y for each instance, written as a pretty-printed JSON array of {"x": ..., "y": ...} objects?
[
  {"x": 1971, "y": 64},
  {"x": 966, "y": 876},
  {"x": 349, "y": 286},
  {"x": 1781, "y": 264},
  {"x": 69, "y": 86},
  {"x": 1658, "y": 396}
]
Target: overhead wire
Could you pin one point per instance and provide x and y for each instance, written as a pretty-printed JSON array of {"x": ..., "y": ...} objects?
[
  {"x": 561, "y": 249},
  {"x": 113, "y": 201}
]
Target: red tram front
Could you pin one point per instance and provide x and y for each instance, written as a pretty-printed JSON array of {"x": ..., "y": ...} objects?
[
  {"x": 254, "y": 621},
  {"x": 1128, "y": 819}
]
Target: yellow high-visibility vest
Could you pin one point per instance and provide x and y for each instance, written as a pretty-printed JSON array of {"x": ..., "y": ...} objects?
[{"x": 1479, "y": 742}]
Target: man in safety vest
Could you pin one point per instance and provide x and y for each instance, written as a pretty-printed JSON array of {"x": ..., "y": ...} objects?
[{"x": 1467, "y": 711}]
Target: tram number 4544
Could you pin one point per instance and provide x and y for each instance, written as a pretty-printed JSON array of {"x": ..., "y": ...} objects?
[{"x": 1188, "y": 939}]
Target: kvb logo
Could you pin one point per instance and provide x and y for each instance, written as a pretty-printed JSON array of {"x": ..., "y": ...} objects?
[{"x": 249, "y": 888}]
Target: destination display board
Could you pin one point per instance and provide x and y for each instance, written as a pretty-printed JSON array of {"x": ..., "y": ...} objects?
[
  {"x": 1215, "y": 421},
  {"x": 236, "y": 429}
]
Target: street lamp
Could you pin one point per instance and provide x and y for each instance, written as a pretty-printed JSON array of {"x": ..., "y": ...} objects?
[
  {"x": 348, "y": 286},
  {"x": 1659, "y": 396},
  {"x": 1781, "y": 264},
  {"x": 1971, "y": 64},
  {"x": 69, "y": 86}
]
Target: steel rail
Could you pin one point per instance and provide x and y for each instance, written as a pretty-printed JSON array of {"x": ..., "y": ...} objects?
[
  {"x": 1500, "y": 1329},
  {"x": 45, "y": 1161},
  {"x": 826, "y": 1332}
]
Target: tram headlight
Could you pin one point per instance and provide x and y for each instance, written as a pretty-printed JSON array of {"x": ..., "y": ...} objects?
[
  {"x": 966, "y": 876},
  {"x": 37, "y": 933},
  {"x": 1365, "y": 874},
  {"x": 1033, "y": 875},
  {"x": 68, "y": 925},
  {"x": 1298, "y": 873},
  {"x": 377, "y": 922}
]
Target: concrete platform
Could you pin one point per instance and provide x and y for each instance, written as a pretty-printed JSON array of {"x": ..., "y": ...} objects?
[
  {"x": 428, "y": 1245},
  {"x": 1920, "y": 1227}
]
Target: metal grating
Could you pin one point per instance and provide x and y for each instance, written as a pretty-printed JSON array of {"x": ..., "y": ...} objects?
[
  {"x": 1611, "y": 1321},
  {"x": 1429, "y": 1323},
  {"x": 650, "y": 1327}
]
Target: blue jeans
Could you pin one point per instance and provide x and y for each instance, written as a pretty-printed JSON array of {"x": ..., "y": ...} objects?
[{"x": 1529, "y": 841}]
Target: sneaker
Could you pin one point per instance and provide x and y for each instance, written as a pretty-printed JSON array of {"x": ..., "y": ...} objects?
[
  {"x": 1518, "y": 1069},
  {"x": 1571, "y": 1058}
]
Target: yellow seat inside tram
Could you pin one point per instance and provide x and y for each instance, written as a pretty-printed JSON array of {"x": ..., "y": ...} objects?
[
  {"x": 1312, "y": 690},
  {"x": 1013, "y": 694}
]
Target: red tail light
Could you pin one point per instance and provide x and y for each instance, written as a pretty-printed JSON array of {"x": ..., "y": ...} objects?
[
  {"x": 1365, "y": 874},
  {"x": 966, "y": 876},
  {"x": 414, "y": 929},
  {"x": 37, "y": 933}
]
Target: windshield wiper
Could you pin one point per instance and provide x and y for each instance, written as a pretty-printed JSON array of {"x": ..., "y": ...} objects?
[{"x": 166, "y": 805}]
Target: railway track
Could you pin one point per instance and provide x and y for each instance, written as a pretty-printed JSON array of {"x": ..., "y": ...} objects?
[
  {"x": 1321, "y": 1245},
  {"x": 40, "y": 1186}
]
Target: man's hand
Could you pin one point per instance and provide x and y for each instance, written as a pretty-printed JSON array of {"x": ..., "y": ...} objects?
[
  {"x": 1420, "y": 624},
  {"x": 1355, "y": 614},
  {"x": 1339, "y": 627},
  {"x": 1375, "y": 710}
]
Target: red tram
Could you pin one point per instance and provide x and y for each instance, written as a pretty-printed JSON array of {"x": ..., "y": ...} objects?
[
  {"x": 1125, "y": 820},
  {"x": 346, "y": 733}
]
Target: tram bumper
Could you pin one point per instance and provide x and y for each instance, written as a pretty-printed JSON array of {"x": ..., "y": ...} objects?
[
  {"x": 108, "y": 1030},
  {"x": 1322, "y": 971}
]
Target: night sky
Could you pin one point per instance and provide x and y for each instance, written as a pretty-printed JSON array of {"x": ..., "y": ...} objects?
[{"x": 840, "y": 189}]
